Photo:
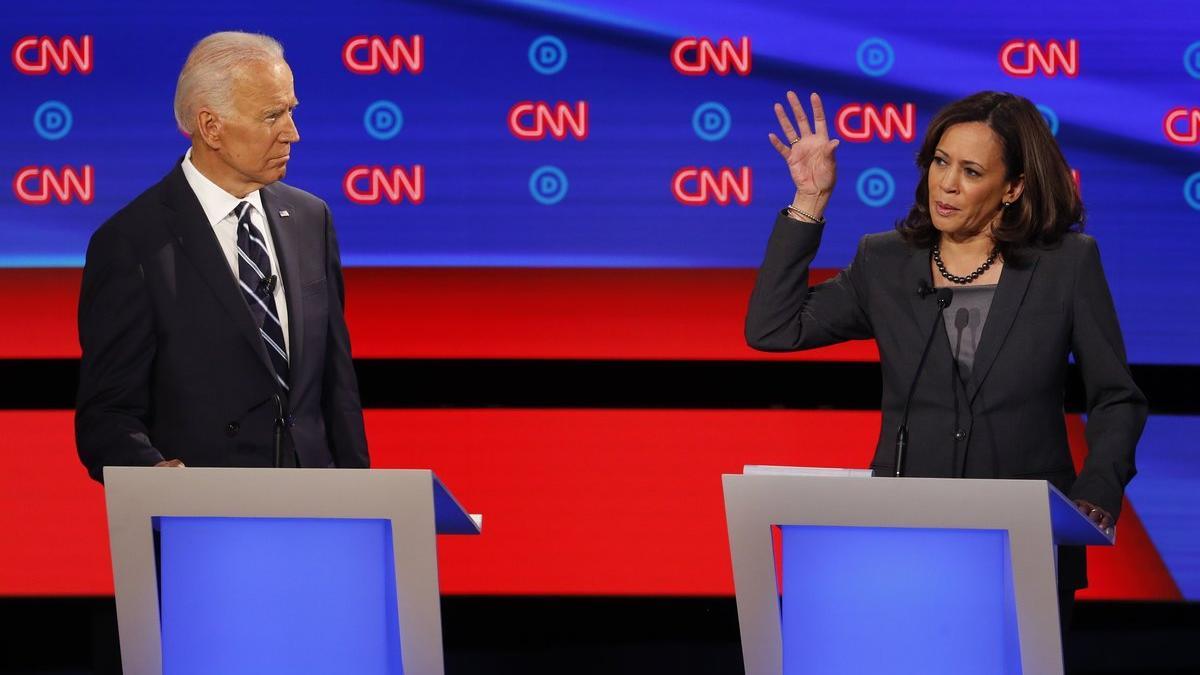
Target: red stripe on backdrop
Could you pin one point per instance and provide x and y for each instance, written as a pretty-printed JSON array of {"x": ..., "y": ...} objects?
[
  {"x": 574, "y": 501},
  {"x": 469, "y": 313}
]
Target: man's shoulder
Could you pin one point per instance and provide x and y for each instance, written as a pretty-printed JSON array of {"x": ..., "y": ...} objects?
[
  {"x": 294, "y": 197},
  {"x": 131, "y": 220}
]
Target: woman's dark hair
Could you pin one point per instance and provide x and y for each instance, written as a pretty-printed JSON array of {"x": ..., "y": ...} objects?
[{"x": 1048, "y": 207}]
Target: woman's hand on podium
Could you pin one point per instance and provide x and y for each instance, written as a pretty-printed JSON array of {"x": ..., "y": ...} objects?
[
  {"x": 170, "y": 462},
  {"x": 809, "y": 154},
  {"x": 1095, "y": 514}
]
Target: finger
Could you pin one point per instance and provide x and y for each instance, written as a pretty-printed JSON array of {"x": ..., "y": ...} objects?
[
  {"x": 819, "y": 115},
  {"x": 779, "y": 145},
  {"x": 798, "y": 111},
  {"x": 833, "y": 145},
  {"x": 789, "y": 132}
]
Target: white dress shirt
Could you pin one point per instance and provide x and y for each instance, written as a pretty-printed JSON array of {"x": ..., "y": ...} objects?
[{"x": 218, "y": 206}]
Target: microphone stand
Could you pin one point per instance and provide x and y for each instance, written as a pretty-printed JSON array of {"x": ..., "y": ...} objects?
[{"x": 944, "y": 296}]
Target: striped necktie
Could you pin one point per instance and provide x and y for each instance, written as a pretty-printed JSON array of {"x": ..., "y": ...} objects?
[{"x": 258, "y": 285}]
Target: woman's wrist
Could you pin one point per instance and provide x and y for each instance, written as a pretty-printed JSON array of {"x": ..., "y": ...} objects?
[
  {"x": 808, "y": 208},
  {"x": 811, "y": 205}
]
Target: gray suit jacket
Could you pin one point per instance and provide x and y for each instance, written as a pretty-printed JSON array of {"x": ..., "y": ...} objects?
[
  {"x": 1051, "y": 303},
  {"x": 173, "y": 365}
]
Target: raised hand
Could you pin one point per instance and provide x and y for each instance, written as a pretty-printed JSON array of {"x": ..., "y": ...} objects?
[{"x": 809, "y": 154}]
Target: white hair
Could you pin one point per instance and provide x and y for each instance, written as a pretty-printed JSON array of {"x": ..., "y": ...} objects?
[{"x": 208, "y": 74}]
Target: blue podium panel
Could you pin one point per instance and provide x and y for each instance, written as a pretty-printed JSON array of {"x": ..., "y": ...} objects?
[
  {"x": 897, "y": 600},
  {"x": 277, "y": 595}
]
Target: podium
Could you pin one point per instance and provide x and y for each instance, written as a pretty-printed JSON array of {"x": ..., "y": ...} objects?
[
  {"x": 305, "y": 571},
  {"x": 899, "y": 575}
]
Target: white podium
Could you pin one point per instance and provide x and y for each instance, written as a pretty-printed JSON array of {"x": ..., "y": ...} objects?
[
  {"x": 306, "y": 571},
  {"x": 899, "y": 575}
]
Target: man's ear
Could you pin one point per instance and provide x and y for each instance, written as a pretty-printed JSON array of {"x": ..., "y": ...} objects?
[{"x": 208, "y": 128}]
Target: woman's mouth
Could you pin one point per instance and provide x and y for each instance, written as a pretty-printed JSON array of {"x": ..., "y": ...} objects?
[{"x": 944, "y": 209}]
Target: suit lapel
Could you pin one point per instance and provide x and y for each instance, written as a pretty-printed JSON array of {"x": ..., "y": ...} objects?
[
  {"x": 199, "y": 244},
  {"x": 1014, "y": 280},
  {"x": 287, "y": 251}
]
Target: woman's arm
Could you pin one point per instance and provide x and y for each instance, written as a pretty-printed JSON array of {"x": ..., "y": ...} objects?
[
  {"x": 784, "y": 313},
  {"x": 1116, "y": 408}
]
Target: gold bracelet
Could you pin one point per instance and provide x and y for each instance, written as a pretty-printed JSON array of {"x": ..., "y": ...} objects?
[{"x": 808, "y": 216}]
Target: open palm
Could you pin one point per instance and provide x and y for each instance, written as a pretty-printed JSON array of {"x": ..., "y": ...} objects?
[{"x": 809, "y": 154}]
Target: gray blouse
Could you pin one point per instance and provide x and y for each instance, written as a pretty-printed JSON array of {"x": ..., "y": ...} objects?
[{"x": 964, "y": 323}]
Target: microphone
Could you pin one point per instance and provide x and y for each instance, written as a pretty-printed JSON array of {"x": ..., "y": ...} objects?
[
  {"x": 266, "y": 285},
  {"x": 962, "y": 319},
  {"x": 277, "y": 436},
  {"x": 943, "y": 297}
]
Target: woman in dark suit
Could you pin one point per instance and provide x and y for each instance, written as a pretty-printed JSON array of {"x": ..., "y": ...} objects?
[{"x": 996, "y": 219}]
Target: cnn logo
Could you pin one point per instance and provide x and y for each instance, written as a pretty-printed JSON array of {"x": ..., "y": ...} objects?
[
  {"x": 371, "y": 54},
  {"x": 39, "y": 185},
  {"x": 862, "y": 122},
  {"x": 698, "y": 186},
  {"x": 1182, "y": 126},
  {"x": 533, "y": 121},
  {"x": 33, "y": 55},
  {"x": 371, "y": 184},
  {"x": 700, "y": 56},
  {"x": 1025, "y": 58}
]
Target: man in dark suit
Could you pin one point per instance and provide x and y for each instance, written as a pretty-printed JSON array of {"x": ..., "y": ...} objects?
[{"x": 211, "y": 314}]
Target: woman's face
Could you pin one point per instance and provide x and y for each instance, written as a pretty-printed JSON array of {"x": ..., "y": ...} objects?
[{"x": 967, "y": 180}]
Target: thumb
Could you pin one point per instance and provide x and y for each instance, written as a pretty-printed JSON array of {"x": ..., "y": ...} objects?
[{"x": 833, "y": 145}]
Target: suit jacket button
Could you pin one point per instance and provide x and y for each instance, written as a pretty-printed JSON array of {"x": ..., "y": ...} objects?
[
  {"x": 959, "y": 435},
  {"x": 232, "y": 428}
]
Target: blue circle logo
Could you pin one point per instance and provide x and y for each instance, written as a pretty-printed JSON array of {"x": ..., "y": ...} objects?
[
  {"x": 547, "y": 55},
  {"x": 875, "y": 57},
  {"x": 711, "y": 121},
  {"x": 548, "y": 185},
  {"x": 1050, "y": 116},
  {"x": 1191, "y": 60},
  {"x": 383, "y": 120},
  {"x": 875, "y": 187},
  {"x": 1191, "y": 190},
  {"x": 52, "y": 120}
]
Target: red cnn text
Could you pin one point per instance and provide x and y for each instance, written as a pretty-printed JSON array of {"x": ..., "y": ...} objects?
[
  {"x": 862, "y": 122},
  {"x": 1026, "y": 58},
  {"x": 38, "y": 185},
  {"x": 698, "y": 186},
  {"x": 370, "y": 54},
  {"x": 533, "y": 121},
  {"x": 699, "y": 56},
  {"x": 372, "y": 184},
  {"x": 33, "y": 55}
]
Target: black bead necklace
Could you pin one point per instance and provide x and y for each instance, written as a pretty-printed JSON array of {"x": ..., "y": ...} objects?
[{"x": 937, "y": 260}]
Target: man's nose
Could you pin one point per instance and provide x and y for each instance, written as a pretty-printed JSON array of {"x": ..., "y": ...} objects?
[{"x": 291, "y": 134}]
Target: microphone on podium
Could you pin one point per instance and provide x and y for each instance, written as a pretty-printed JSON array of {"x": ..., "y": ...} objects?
[{"x": 943, "y": 296}]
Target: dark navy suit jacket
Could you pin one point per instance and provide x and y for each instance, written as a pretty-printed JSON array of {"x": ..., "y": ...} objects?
[
  {"x": 1050, "y": 302},
  {"x": 173, "y": 365}
]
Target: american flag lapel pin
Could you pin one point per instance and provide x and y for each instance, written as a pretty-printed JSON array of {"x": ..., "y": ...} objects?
[{"x": 284, "y": 214}]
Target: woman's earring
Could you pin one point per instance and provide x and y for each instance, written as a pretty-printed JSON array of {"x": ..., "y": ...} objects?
[{"x": 1006, "y": 204}]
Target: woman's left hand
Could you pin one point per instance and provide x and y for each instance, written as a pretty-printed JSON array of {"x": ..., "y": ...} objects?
[{"x": 1095, "y": 514}]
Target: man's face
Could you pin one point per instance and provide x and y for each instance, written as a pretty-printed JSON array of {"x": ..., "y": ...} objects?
[{"x": 256, "y": 140}]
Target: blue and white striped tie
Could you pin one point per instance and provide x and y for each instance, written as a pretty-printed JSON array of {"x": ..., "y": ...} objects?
[{"x": 258, "y": 283}]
